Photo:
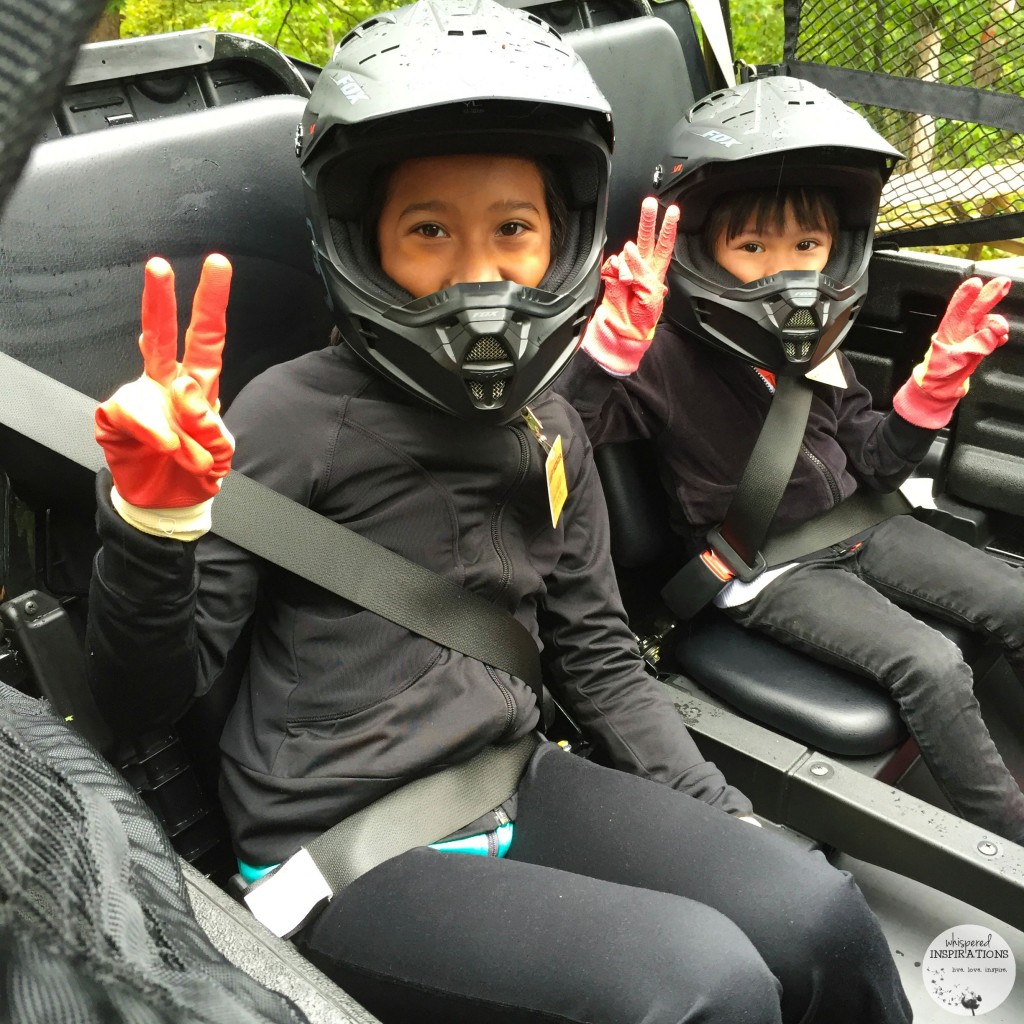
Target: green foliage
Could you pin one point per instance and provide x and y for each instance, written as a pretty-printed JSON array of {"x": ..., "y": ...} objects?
[
  {"x": 307, "y": 29},
  {"x": 978, "y": 44},
  {"x": 757, "y": 31}
]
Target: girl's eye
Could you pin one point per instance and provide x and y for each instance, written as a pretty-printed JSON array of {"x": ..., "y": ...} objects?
[
  {"x": 753, "y": 247},
  {"x": 807, "y": 245},
  {"x": 512, "y": 228},
  {"x": 429, "y": 230}
]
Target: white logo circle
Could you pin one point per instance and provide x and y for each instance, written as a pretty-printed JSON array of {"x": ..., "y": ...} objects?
[{"x": 969, "y": 970}]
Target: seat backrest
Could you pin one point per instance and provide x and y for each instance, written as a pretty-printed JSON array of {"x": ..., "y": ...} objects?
[
  {"x": 91, "y": 209},
  {"x": 639, "y": 66}
]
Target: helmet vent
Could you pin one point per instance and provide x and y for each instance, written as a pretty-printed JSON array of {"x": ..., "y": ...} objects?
[
  {"x": 796, "y": 351},
  {"x": 487, "y": 394},
  {"x": 486, "y": 350},
  {"x": 487, "y": 370},
  {"x": 800, "y": 320}
]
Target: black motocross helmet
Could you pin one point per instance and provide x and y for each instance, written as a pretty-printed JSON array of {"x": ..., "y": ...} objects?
[
  {"x": 772, "y": 133},
  {"x": 450, "y": 77}
]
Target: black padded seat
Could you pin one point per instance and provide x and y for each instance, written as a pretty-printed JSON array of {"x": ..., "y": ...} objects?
[
  {"x": 646, "y": 101},
  {"x": 91, "y": 209},
  {"x": 824, "y": 706}
]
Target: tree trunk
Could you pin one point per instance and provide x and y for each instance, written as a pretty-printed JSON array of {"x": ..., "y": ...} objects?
[
  {"x": 922, "y": 129},
  {"x": 108, "y": 27}
]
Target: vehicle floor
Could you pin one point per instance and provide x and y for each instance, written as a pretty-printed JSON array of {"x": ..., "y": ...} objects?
[{"x": 912, "y": 916}]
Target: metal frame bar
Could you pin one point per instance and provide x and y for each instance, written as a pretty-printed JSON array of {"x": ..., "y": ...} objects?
[{"x": 829, "y": 801}]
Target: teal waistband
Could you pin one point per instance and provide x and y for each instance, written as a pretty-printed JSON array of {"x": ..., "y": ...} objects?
[
  {"x": 477, "y": 845},
  {"x": 254, "y": 874}
]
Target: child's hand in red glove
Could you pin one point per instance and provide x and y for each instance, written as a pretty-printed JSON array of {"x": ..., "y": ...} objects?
[
  {"x": 968, "y": 332},
  {"x": 165, "y": 443},
  {"x": 620, "y": 332}
]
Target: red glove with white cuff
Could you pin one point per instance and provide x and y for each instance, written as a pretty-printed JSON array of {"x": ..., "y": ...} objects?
[
  {"x": 968, "y": 332},
  {"x": 620, "y": 331},
  {"x": 165, "y": 443}
]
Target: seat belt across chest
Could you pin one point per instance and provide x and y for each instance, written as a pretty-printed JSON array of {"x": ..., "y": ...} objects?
[
  {"x": 343, "y": 562},
  {"x": 743, "y": 546}
]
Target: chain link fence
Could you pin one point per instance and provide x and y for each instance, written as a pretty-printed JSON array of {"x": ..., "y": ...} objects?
[{"x": 944, "y": 82}]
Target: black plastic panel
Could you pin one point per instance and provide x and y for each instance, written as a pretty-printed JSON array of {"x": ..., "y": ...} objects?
[{"x": 125, "y": 81}]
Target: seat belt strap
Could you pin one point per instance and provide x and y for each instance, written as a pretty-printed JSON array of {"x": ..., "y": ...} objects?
[
  {"x": 418, "y": 814},
  {"x": 295, "y": 538},
  {"x": 858, "y": 513},
  {"x": 735, "y": 546}
]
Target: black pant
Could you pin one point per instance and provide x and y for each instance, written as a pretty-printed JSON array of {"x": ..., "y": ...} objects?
[
  {"x": 847, "y": 608},
  {"x": 620, "y": 901}
]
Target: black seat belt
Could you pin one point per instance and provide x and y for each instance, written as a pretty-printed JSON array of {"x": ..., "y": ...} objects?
[
  {"x": 295, "y": 538},
  {"x": 420, "y": 813},
  {"x": 742, "y": 547},
  {"x": 305, "y": 543}
]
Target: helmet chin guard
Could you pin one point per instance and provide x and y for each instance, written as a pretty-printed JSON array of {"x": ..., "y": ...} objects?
[
  {"x": 479, "y": 351},
  {"x": 449, "y": 77},
  {"x": 801, "y": 315}
]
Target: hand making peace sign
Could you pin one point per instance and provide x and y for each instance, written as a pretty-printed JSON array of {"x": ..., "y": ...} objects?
[
  {"x": 620, "y": 331},
  {"x": 162, "y": 434}
]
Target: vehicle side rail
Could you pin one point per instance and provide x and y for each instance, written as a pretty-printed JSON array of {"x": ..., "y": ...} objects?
[
  {"x": 273, "y": 962},
  {"x": 795, "y": 786}
]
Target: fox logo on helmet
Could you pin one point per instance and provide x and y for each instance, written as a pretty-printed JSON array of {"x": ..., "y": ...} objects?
[
  {"x": 721, "y": 138},
  {"x": 351, "y": 89}
]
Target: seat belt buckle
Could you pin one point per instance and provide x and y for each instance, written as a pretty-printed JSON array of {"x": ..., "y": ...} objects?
[
  {"x": 727, "y": 554},
  {"x": 285, "y": 900}
]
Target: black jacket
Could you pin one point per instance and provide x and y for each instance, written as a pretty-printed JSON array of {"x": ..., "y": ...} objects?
[
  {"x": 337, "y": 706},
  {"x": 703, "y": 411}
]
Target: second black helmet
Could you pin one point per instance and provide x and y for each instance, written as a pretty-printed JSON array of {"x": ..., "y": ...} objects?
[{"x": 771, "y": 136}]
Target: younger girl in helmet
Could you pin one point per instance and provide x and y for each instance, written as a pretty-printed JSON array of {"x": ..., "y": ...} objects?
[
  {"x": 456, "y": 160},
  {"x": 775, "y": 276}
]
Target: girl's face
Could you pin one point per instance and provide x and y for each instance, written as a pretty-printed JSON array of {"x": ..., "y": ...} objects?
[
  {"x": 462, "y": 219},
  {"x": 751, "y": 255}
]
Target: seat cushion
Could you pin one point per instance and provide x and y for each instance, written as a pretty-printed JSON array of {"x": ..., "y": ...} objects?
[{"x": 822, "y": 705}]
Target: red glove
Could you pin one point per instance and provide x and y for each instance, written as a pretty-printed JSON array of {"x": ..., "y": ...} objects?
[
  {"x": 164, "y": 441},
  {"x": 967, "y": 333},
  {"x": 620, "y": 332}
]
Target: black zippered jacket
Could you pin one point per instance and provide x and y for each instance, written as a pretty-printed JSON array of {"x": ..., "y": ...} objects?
[
  {"x": 703, "y": 410},
  {"x": 338, "y": 706}
]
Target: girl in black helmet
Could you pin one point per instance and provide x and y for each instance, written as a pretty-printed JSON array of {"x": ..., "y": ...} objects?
[
  {"x": 779, "y": 184},
  {"x": 456, "y": 159}
]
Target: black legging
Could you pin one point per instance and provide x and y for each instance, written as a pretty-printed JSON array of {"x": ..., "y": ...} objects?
[{"x": 620, "y": 901}]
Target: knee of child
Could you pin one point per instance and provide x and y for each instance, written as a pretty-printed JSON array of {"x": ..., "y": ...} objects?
[
  {"x": 702, "y": 964},
  {"x": 937, "y": 661},
  {"x": 831, "y": 919}
]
